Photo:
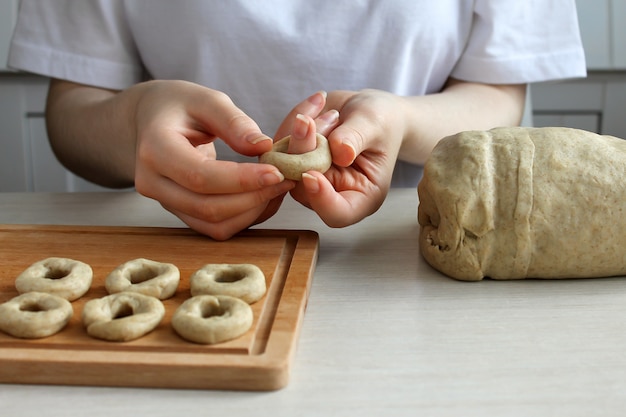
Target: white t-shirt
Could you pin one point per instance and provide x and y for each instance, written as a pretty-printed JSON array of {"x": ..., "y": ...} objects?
[{"x": 269, "y": 55}]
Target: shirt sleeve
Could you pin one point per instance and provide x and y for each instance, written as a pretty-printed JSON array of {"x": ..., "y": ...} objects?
[
  {"x": 522, "y": 42},
  {"x": 59, "y": 39}
]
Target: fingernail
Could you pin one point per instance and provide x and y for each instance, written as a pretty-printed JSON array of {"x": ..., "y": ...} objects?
[
  {"x": 259, "y": 139},
  {"x": 271, "y": 178},
  {"x": 300, "y": 127},
  {"x": 312, "y": 184},
  {"x": 349, "y": 148},
  {"x": 318, "y": 98},
  {"x": 330, "y": 116}
]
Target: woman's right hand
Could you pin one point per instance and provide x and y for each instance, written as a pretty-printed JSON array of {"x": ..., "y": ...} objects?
[
  {"x": 176, "y": 162},
  {"x": 169, "y": 127}
]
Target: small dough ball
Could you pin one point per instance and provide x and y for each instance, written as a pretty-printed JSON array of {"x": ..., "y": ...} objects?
[
  {"x": 67, "y": 278},
  {"x": 244, "y": 281},
  {"x": 292, "y": 166},
  {"x": 144, "y": 276},
  {"x": 208, "y": 319},
  {"x": 34, "y": 315},
  {"x": 123, "y": 316}
]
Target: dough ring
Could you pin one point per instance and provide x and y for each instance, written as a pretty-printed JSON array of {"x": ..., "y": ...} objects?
[
  {"x": 122, "y": 316},
  {"x": 144, "y": 276},
  {"x": 244, "y": 281},
  {"x": 209, "y": 319},
  {"x": 293, "y": 165},
  {"x": 34, "y": 315},
  {"x": 64, "y": 277}
]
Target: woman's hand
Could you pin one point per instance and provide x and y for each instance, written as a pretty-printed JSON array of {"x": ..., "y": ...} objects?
[
  {"x": 300, "y": 125},
  {"x": 375, "y": 128},
  {"x": 364, "y": 144},
  {"x": 176, "y": 162},
  {"x": 159, "y": 135}
]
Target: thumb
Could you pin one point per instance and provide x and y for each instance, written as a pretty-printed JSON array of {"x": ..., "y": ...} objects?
[
  {"x": 243, "y": 135},
  {"x": 217, "y": 114},
  {"x": 345, "y": 145}
]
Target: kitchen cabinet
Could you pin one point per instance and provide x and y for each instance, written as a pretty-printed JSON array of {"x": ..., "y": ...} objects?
[
  {"x": 619, "y": 33},
  {"x": 603, "y": 33},
  {"x": 27, "y": 162},
  {"x": 597, "y": 103},
  {"x": 8, "y": 14}
]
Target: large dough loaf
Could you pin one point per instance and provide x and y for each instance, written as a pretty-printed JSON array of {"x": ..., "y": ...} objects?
[{"x": 514, "y": 203}]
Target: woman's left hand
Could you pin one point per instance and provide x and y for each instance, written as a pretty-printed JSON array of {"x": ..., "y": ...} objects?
[{"x": 364, "y": 142}]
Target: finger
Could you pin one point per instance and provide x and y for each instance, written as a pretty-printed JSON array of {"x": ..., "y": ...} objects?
[
  {"x": 354, "y": 135},
  {"x": 312, "y": 106},
  {"x": 271, "y": 209},
  {"x": 219, "y": 213},
  {"x": 215, "y": 207},
  {"x": 346, "y": 142},
  {"x": 196, "y": 170},
  {"x": 221, "y": 230},
  {"x": 217, "y": 113},
  {"x": 208, "y": 150},
  {"x": 336, "y": 209},
  {"x": 327, "y": 122},
  {"x": 226, "y": 229},
  {"x": 303, "y": 135}
]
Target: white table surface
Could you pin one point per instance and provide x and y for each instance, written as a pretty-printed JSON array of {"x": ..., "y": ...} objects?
[{"x": 384, "y": 334}]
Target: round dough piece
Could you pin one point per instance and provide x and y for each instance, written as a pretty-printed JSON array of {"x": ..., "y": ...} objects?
[
  {"x": 209, "y": 319},
  {"x": 67, "y": 278},
  {"x": 244, "y": 281},
  {"x": 122, "y": 316},
  {"x": 34, "y": 315},
  {"x": 292, "y": 166},
  {"x": 144, "y": 276}
]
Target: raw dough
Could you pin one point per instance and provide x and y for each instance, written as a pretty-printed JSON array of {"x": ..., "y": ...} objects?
[
  {"x": 64, "y": 277},
  {"x": 244, "y": 281},
  {"x": 33, "y": 315},
  {"x": 144, "y": 276},
  {"x": 292, "y": 166},
  {"x": 209, "y": 319},
  {"x": 122, "y": 316},
  {"x": 514, "y": 203}
]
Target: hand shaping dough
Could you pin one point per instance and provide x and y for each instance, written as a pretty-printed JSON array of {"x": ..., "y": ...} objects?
[
  {"x": 292, "y": 166},
  {"x": 514, "y": 203}
]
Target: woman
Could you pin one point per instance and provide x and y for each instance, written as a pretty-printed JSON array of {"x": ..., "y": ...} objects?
[{"x": 141, "y": 89}]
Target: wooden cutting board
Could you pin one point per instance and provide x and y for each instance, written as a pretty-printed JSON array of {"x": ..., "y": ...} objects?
[{"x": 259, "y": 360}]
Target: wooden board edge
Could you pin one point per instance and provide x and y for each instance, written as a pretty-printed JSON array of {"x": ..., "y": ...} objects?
[{"x": 262, "y": 375}]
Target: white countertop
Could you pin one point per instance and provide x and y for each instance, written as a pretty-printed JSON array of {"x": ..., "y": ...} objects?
[{"x": 384, "y": 334}]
